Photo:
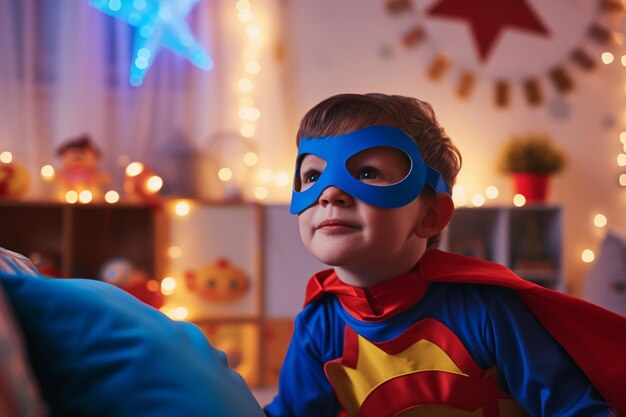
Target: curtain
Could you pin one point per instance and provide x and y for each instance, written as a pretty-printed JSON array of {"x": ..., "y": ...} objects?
[{"x": 64, "y": 69}]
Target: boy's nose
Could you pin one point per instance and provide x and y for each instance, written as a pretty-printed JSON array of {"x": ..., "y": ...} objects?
[{"x": 336, "y": 196}]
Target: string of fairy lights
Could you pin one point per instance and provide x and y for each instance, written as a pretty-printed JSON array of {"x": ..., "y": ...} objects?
[
  {"x": 249, "y": 115},
  {"x": 600, "y": 221}
]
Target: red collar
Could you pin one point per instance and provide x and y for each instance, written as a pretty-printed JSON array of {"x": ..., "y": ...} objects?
[{"x": 376, "y": 303}]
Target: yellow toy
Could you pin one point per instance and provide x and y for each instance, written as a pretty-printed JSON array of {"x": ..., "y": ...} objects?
[{"x": 219, "y": 281}]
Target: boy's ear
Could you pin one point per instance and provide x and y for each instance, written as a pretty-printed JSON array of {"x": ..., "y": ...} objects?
[{"x": 437, "y": 215}]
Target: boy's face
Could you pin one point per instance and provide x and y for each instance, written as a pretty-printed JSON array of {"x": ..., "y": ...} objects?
[{"x": 343, "y": 231}]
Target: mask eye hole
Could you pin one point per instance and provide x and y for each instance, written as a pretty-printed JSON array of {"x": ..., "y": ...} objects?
[
  {"x": 380, "y": 166},
  {"x": 309, "y": 169}
]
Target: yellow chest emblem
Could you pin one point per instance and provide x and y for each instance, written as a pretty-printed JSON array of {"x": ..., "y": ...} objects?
[{"x": 425, "y": 371}]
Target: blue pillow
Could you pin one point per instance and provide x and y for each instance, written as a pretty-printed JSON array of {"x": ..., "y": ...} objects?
[{"x": 98, "y": 351}]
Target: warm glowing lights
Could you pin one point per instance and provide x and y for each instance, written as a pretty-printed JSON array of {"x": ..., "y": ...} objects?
[
  {"x": 249, "y": 113},
  {"x": 621, "y": 159},
  {"x": 599, "y": 220},
  {"x": 182, "y": 208},
  {"x": 519, "y": 200},
  {"x": 47, "y": 172},
  {"x": 478, "y": 200},
  {"x": 247, "y": 130},
  {"x": 245, "y": 85},
  {"x": 178, "y": 313},
  {"x": 253, "y": 67},
  {"x": 458, "y": 196},
  {"x": 225, "y": 174},
  {"x": 587, "y": 256},
  {"x": 492, "y": 192},
  {"x": 253, "y": 31},
  {"x": 623, "y": 60},
  {"x": 250, "y": 159},
  {"x": 85, "y": 197},
  {"x": 261, "y": 192},
  {"x": 154, "y": 183},
  {"x": 175, "y": 252},
  {"x": 282, "y": 179},
  {"x": 245, "y": 16},
  {"x": 134, "y": 168},
  {"x": 6, "y": 157},
  {"x": 622, "y": 137},
  {"x": 607, "y": 57},
  {"x": 152, "y": 285},
  {"x": 242, "y": 5},
  {"x": 168, "y": 286},
  {"x": 266, "y": 176},
  {"x": 71, "y": 197},
  {"x": 622, "y": 180},
  {"x": 111, "y": 197}
]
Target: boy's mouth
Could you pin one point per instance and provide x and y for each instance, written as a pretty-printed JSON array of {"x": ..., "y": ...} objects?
[{"x": 336, "y": 225}]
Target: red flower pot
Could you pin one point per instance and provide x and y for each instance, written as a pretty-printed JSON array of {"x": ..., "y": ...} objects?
[{"x": 533, "y": 186}]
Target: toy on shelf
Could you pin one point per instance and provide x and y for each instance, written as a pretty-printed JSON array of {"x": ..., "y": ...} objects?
[
  {"x": 79, "y": 172},
  {"x": 218, "y": 282},
  {"x": 121, "y": 273},
  {"x": 14, "y": 180},
  {"x": 47, "y": 263}
]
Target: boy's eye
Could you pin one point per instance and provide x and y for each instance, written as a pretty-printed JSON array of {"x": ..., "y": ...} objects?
[
  {"x": 369, "y": 174},
  {"x": 311, "y": 176}
]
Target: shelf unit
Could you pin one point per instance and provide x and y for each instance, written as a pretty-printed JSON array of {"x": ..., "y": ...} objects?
[
  {"x": 82, "y": 237},
  {"x": 263, "y": 241},
  {"x": 525, "y": 239}
]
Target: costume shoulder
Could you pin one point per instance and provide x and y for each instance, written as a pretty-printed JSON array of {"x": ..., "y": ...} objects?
[
  {"x": 315, "y": 288},
  {"x": 594, "y": 337}
]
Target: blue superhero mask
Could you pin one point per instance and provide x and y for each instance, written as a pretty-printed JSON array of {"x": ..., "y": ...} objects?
[{"x": 337, "y": 150}]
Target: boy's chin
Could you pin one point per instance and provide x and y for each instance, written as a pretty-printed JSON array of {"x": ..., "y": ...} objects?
[{"x": 338, "y": 259}]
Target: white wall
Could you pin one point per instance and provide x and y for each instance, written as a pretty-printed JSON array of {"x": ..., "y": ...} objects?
[{"x": 337, "y": 46}]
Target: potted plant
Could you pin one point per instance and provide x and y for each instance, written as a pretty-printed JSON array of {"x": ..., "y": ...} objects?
[{"x": 531, "y": 159}]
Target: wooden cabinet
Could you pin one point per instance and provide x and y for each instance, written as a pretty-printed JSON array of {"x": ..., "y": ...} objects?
[{"x": 82, "y": 237}]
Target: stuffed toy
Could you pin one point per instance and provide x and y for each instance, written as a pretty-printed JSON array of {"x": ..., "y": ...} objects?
[
  {"x": 79, "y": 159},
  {"x": 218, "y": 282}
]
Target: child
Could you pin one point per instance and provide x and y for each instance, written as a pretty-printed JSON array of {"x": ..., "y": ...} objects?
[{"x": 398, "y": 326}]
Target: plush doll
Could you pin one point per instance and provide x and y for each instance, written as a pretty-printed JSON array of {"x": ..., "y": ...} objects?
[
  {"x": 219, "y": 281},
  {"x": 79, "y": 159}
]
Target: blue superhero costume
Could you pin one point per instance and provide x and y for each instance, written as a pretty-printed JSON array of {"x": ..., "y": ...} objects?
[
  {"x": 422, "y": 341},
  {"x": 454, "y": 337}
]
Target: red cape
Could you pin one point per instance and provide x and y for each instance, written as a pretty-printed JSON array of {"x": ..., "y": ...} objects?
[{"x": 594, "y": 337}]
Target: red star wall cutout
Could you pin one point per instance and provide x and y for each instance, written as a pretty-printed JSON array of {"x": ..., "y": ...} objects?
[{"x": 488, "y": 19}]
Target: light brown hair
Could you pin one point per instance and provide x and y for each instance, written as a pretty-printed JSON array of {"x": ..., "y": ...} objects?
[{"x": 345, "y": 113}]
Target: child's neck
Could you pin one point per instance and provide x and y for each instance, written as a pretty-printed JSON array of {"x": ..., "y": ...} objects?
[{"x": 367, "y": 275}]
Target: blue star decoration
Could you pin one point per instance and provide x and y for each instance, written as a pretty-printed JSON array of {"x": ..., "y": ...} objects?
[{"x": 158, "y": 23}]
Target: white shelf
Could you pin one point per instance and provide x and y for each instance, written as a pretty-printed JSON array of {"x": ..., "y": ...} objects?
[{"x": 525, "y": 239}]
